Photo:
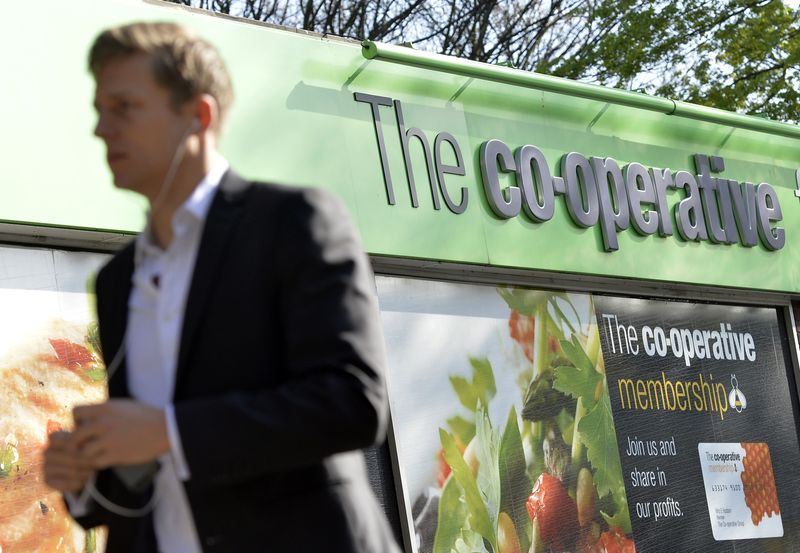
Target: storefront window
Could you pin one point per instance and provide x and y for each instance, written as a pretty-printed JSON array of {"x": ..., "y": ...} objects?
[{"x": 529, "y": 420}]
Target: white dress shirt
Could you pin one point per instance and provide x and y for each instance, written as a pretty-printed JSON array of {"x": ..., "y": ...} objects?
[{"x": 161, "y": 282}]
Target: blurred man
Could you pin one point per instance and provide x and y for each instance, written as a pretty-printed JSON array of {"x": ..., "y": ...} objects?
[{"x": 240, "y": 330}]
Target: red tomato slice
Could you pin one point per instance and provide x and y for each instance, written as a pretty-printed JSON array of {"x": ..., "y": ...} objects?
[{"x": 70, "y": 354}]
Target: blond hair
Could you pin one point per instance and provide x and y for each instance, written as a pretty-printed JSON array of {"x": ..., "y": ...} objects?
[{"x": 182, "y": 63}]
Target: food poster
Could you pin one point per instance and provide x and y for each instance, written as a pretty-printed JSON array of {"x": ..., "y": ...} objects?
[
  {"x": 502, "y": 420},
  {"x": 706, "y": 424},
  {"x": 48, "y": 363}
]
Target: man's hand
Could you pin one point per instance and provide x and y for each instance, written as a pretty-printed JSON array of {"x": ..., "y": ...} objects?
[
  {"x": 64, "y": 468},
  {"x": 120, "y": 432}
]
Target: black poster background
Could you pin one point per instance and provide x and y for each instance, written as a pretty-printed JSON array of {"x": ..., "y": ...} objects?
[{"x": 770, "y": 417}]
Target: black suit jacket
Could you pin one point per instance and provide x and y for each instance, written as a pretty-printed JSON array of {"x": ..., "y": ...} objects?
[{"x": 279, "y": 379}]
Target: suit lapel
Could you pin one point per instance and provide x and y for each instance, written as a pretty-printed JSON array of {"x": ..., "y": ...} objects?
[
  {"x": 116, "y": 319},
  {"x": 222, "y": 219}
]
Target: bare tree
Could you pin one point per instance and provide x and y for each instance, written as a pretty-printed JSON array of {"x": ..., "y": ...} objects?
[
  {"x": 530, "y": 34},
  {"x": 385, "y": 20},
  {"x": 740, "y": 55}
]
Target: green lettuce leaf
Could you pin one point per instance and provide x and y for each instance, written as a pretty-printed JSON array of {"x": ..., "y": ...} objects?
[
  {"x": 515, "y": 485},
  {"x": 93, "y": 339},
  {"x": 483, "y": 378},
  {"x": 488, "y": 450},
  {"x": 482, "y": 387},
  {"x": 451, "y": 519},
  {"x": 467, "y": 395},
  {"x": 596, "y": 428},
  {"x": 622, "y": 517},
  {"x": 597, "y": 432},
  {"x": 9, "y": 458},
  {"x": 95, "y": 373},
  {"x": 478, "y": 513},
  {"x": 578, "y": 383},
  {"x": 462, "y": 428},
  {"x": 469, "y": 542}
]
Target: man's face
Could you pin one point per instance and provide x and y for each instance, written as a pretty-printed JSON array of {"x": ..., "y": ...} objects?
[{"x": 138, "y": 124}]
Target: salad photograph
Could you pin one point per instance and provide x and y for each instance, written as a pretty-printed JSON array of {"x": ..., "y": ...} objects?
[
  {"x": 50, "y": 361},
  {"x": 525, "y": 460},
  {"x": 43, "y": 377}
]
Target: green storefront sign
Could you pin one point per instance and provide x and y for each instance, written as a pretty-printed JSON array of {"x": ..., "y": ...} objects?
[
  {"x": 470, "y": 163},
  {"x": 596, "y": 190}
]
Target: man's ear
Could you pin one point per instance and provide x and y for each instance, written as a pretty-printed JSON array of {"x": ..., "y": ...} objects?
[{"x": 206, "y": 112}]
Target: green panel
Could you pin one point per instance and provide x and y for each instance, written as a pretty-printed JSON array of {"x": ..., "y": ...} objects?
[
  {"x": 54, "y": 172},
  {"x": 295, "y": 121},
  {"x": 560, "y": 124}
]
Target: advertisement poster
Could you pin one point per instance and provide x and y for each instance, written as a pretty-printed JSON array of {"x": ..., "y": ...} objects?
[
  {"x": 706, "y": 425},
  {"x": 48, "y": 363},
  {"x": 535, "y": 421},
  {"x": 502, "y": 420}
]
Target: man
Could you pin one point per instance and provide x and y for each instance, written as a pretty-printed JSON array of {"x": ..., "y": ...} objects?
[{"x": 240, "y": 330}]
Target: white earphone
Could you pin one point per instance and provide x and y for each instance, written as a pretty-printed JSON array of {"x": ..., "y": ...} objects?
[{"x": 91, "y": 489}]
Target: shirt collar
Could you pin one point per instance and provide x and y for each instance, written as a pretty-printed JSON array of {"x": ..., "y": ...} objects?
[
  {"x": 195, "y": 207},
  {"x": 199, "y": 202}
]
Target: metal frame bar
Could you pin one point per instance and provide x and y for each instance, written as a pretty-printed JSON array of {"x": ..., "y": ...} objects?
[
  {"x": 794, "y": 352},
  {"x": 437, "y": 62},
  {"x": 62, "y": 238},
  {"x": 571, "y": 282}
]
